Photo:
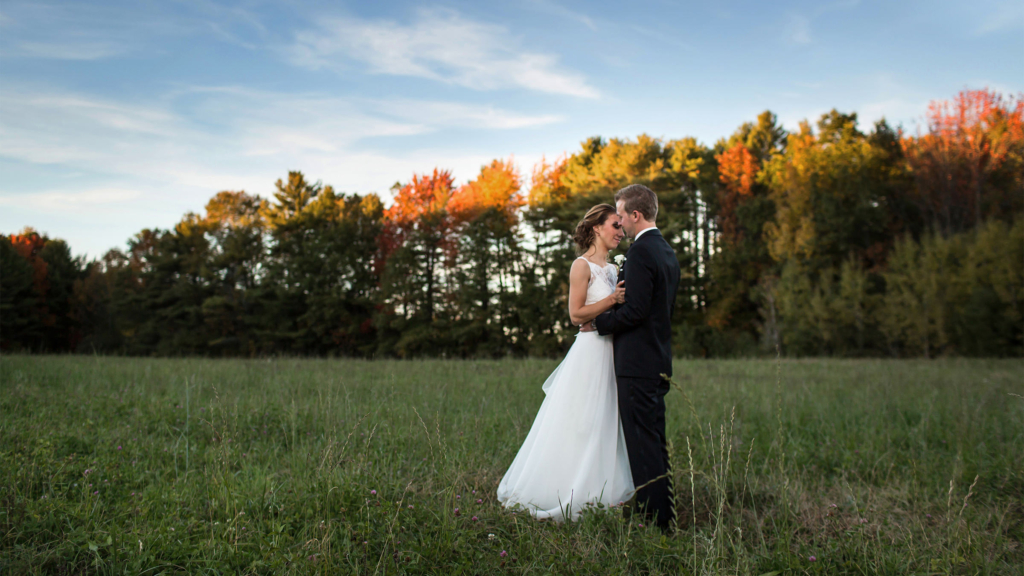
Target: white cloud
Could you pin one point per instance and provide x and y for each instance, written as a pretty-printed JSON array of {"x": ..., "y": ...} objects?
[
  {"x": 439, "y": 45},
  {"x": 233, "y": 138}
]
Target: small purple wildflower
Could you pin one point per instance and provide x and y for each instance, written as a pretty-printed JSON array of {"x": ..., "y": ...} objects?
[
  {"x": 812, "y": 558},
  {"x": 458, "y": 496},
  {"x": 411, "y": 506},
  {"x": 118, "y": 447},
  {"x": 474, "y": 518},
  {"x": 457, "y": 513},
  {"x": 479, "y": 501},
  {"x": 641, "y": 525},
  {"x": 96, "y": 493},
  {"x": 503, "y": 554},
  {"x": 373, "y": 492}
]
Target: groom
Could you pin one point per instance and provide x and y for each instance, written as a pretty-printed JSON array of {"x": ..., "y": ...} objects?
[{"x": 643, "y": 348}]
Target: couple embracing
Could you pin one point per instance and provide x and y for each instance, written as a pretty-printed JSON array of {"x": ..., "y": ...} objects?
[{"x": 599, "y": 436}]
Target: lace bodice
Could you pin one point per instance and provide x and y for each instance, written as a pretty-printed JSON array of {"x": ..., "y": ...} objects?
[{"x": 602, "y": 281}]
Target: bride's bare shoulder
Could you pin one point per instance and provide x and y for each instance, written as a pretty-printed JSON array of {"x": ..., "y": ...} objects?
[{"x": 580, "y": 269}]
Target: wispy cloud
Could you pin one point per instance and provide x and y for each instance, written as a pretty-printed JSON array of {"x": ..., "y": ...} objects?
[
  {"x": 61, "y": 50},
  {"x": 55, "y": 32},
  {"x": 798, "y": 29},
  {"x": 463, "y": 115},
  {"x": 440, "y": 45},
  {"x": 899, "y": 110},
  {"x": 60, "y": 201},
  {"x": 93, "y": 31},
  {"x": 230, "y": 137},
  {"x": 1002, "y": 17},
  {"x": 663, "y": 37},
  {"x": 556, "y": 9}
]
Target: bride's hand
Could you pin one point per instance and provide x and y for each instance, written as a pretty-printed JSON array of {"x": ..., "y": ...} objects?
[{"x": 620, "y": 293}]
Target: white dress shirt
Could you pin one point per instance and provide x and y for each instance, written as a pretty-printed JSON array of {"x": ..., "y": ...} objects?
[{"x": 641, "y": 233}]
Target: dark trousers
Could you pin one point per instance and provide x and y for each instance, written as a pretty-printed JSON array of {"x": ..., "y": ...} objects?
[{"x": 642, "y": 410}]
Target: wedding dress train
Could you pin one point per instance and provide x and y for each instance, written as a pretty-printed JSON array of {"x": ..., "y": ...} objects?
[{"x": 575, "y": 453}]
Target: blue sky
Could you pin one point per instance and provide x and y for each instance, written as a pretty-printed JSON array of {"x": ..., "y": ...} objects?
[{"x": 116, "y": 116}]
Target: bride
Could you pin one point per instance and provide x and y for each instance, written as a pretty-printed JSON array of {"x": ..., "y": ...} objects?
[{"x": 575, "y": 454}]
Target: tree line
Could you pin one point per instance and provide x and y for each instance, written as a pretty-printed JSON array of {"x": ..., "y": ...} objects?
[{"x": 824, "y": 241}]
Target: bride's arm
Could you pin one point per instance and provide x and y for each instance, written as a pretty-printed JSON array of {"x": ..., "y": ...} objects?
[{"x": 579, "y": 312}]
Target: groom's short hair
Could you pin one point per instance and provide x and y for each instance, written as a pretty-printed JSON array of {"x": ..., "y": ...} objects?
[{"x": 640, "y": 198}]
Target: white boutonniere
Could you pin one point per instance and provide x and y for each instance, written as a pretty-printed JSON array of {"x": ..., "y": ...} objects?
[{"x": 620, "y": 259}]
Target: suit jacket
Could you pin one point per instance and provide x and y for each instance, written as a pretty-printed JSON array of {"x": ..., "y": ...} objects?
[{"x": 643, "y": 325}]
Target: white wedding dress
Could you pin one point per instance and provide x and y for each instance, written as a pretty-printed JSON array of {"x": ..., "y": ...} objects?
[{"x": 575, "y": 453}]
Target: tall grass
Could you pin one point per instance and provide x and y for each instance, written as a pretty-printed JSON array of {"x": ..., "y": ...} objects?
[{"x": 116, "y": 465}]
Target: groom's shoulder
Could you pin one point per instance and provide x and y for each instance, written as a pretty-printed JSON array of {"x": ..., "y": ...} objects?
[
  {"x": 655, "y": 244},
  {"x": 651, "y": 240}
]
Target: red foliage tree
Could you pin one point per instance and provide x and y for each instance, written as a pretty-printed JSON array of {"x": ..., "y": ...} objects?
[
  {"x": 968, "y": 167},
  {"x": 29, "y": 245},
  {"x": 420, "y": 205},
  {"x": 737, "y": 170},
  {"x": 418, "y": 221}
]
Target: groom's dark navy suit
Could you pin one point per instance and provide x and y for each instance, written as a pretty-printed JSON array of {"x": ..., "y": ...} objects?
[{"x": 643, "y": 352}]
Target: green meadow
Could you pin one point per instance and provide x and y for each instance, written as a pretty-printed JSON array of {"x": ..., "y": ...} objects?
[{"x": 113, "y": 465}]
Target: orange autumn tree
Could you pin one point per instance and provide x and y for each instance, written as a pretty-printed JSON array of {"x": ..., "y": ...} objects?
[
  {"x": 737, "y": 174},
  {"x": 547, "y": 186},
  {"x": 24, "y": 317},
  {"x": 737, "y": 171},
  {"x": 37, "y": 278},
  {"x": 416, "y": 241},
  {"x": 496, "y": 188},
  {"x": 969, "y": 166},
  {"x": 486, "y": 211},
  {"x": 29, "y": 244}
]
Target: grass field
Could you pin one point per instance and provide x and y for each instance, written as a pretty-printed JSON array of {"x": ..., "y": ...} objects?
[{"x": 130, "y": 466}]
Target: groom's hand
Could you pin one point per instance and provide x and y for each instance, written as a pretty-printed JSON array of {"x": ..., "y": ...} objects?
[{"x": 588, "y": 327}]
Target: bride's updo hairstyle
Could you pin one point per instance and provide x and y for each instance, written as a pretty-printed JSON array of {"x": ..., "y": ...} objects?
[{"x": 584, "y": 236}]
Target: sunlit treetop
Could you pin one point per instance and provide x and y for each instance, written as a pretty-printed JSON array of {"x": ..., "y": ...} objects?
[
  {"x": 496, "y": 188},
  {"x": 546, "y": 183},
  {"x": 737, "y": 171},
  {"x": 234, "y": 209},
  {"x": 427, "y": 195}
]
